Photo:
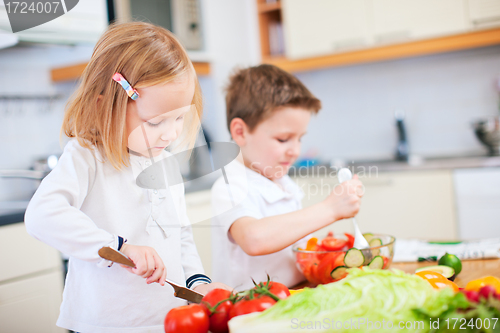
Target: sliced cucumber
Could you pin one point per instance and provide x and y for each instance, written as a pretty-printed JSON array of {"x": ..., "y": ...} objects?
[
  {"x": 368, "y": 236},
  {"x": 376, "y": 263},
  {"x": 354, "y": 258},
  {"x": 446, "y": 271},
  {"x": 339, "y": 272},
  {"x": 375, "y": 242}
]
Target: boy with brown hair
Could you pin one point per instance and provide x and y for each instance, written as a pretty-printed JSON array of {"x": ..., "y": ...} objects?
[{"x": 258, "y": 216}]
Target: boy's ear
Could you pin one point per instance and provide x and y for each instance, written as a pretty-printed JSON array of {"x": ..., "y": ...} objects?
[{"x": 238, "y": 130}]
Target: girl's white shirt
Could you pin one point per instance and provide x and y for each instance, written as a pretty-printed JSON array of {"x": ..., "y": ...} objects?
[
  {"x": 85, "y": 204},
  {"x": 248, "y": 193}
]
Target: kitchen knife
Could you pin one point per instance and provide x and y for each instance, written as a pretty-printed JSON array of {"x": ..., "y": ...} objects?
[{"x": 113, "y": 255}]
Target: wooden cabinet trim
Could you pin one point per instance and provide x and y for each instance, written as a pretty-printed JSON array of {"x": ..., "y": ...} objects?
[
  {"x": 74, "y": 72},
  {"x": 451, "y": 43}
]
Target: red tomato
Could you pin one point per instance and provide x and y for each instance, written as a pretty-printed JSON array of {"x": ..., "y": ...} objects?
[
  {"x": 326, "y": 266},
  {"x": 333, "y": 244},
  {"x": 386, "y": 262},
  {"x": 258, "y": 304},
  {"x": 350, "y": 240},
  {"x": 339, "y": 261},
  {"x": 278, "y": 289},
  {"x": 187, "y": 319},
  {"x": 220, "y": 315},
  {"x": 314, "y": 277}
]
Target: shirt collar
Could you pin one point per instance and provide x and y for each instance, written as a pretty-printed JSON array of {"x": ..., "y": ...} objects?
[{"x": 283, "y": 188}]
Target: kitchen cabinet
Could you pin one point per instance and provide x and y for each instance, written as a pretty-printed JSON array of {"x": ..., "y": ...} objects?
[
  {"x": 324, "y": 26},
  {"x": 82, "y": 24},
  {"x": 403, "y": 20},
  {"x": 31, "y": 304},
  {"x": 478, "y": 202},
  {"x": 31, "y": 282},
  {"x": 484, "y": 13},
  {"x": 321, "y": 33},
  {"x": 199, "y": 211},
  {"x": 417, "y": 204}
]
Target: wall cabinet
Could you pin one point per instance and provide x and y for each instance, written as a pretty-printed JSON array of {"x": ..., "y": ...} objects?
[
  {"x": 402, "y": 204},
  {"x": 324, "y": 26},
  {"x": 325, "y": 33},
  {"x": 484, "y": 13},
  {"x": 83, "y": 24},
  {"x": 396, "y": 20}
]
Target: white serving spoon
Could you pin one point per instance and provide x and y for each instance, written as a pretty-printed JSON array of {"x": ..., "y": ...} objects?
[{"x": 360, "y": 242}]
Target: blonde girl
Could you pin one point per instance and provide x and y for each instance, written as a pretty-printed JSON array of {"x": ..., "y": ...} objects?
[{"x": 138, "y": 95}]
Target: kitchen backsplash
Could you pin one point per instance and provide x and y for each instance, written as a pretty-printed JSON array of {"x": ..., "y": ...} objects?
[{"x": 440, "y": 94}]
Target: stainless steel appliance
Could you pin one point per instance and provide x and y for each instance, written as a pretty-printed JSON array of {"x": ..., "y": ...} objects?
[{"x": 182, "y": 17}]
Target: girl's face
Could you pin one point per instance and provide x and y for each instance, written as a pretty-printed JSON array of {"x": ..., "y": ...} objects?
[
  {"x": 156, "y": 118},
  {"x": 274, "y": 145}
]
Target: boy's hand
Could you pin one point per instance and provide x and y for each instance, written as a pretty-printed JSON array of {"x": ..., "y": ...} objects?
[
  {"x": 207, "y": 287},
  {"x": 148, "y": 263},
  {"x": 345, "y": 199}
]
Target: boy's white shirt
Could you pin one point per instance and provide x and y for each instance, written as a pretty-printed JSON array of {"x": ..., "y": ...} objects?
[
  {"x": 251, "y": 194},
  {"x": 83, "y": 205}
]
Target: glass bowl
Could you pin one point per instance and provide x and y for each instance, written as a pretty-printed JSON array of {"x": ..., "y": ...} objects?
[{"x": 321, "y": 267}]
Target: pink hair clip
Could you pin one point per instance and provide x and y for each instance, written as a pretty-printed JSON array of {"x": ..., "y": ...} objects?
[{"x": 131, "y": 92}]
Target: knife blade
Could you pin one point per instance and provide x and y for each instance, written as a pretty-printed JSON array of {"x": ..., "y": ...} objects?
[{"x": 113, "y": 255}]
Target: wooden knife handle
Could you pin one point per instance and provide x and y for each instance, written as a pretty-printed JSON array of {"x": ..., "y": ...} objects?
[{"x": 111, "y": 254}]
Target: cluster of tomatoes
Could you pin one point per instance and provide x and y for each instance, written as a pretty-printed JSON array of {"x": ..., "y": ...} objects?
[
  {"x": 318, "y": 267},
  {"x": 220, "y": 305}
]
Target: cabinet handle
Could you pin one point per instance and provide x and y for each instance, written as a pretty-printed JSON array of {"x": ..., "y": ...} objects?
[
  {"x": 349, "y": 44},
  {"x": 486, "y": 20},
  {"x": 393, "y": 37}
]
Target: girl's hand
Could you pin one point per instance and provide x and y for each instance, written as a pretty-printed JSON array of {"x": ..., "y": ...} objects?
[
  {"x": 148, "y": 263},
  {"x": 345, "y": 199},
  {"x": 207, "y": 287}
]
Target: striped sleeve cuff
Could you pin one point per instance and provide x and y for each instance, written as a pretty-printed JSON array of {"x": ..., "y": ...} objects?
[
  {"x": 197, "y": 279},
  {"x": 117, "y": 244}
]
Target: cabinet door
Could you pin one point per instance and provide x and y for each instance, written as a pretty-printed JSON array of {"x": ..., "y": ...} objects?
[
  {"x": 410, "y": 205},
  {"x": 199, "y": 211},
  {"x": 402, "y": 20},
  {"x": 402, "y": 204},
  {"x": 22, "y": 254},
  {"x": 83, "y": 24},
  {"x": 484, "y": 13},
  {"x": 324, "y": 26},
  {"x": 31, "y": 305},
  {"x": 478, "y": 202}
]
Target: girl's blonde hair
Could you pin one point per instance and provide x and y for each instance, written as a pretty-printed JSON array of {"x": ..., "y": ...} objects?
[{"x": 145, "y": 55}]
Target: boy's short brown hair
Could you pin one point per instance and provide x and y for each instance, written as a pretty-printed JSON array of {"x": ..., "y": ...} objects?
[{"x": 254, "y": 93}]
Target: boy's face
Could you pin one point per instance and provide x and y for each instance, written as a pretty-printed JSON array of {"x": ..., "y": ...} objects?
[{"x": 274, "y": 145}]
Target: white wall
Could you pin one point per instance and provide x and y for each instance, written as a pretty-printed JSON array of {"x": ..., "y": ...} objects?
[
  {"x": 30, "y": 129},
  {"x": 232, "y": 42},
  {"x": 441, "y": 95}
]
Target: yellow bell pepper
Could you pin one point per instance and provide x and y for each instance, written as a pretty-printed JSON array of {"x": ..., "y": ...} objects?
[
  {"x": 476, "y": 285},
  {"x": 312, "y": 244}
]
